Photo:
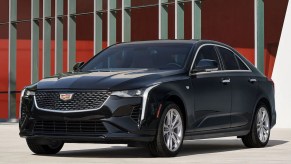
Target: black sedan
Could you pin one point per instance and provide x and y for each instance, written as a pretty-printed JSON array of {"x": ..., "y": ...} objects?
[{"x": 151, "y": 93}]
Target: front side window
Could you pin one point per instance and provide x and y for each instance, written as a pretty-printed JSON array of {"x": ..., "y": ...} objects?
[
  {"x": 162, "y": 56},
  {"x": 229, "y": 59},
  {"x": 206, "y": 55}
]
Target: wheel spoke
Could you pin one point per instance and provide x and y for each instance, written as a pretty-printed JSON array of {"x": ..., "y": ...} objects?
[
  {"x": 175, "y": 141},
  {"x": 178, "y": 138},
  {"x": 171, "y": 142},
  {"x": 263, "y": 116},
  {"x": 178, "y": 125},
  {"x": 175, "y": 120}
]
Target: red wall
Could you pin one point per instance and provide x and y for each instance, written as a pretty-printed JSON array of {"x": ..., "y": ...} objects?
[{"x": 228, "y": 21}]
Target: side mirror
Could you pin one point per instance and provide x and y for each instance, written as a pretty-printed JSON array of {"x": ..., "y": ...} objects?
[
  {"x": 206, "y": 65},
  {"x": 77, "y": 66}
]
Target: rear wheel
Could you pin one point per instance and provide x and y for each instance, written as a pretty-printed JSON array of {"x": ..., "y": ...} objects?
[
  {"x": 170, "y": 134},
  {"x": 52, "y": 148},
  {"x": 260, "y": 132}
]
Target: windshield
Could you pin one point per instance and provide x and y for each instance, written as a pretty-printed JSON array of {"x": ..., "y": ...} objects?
[{"x": 140, "y": 56}]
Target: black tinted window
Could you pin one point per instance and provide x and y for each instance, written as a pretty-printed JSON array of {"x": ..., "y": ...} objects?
[
  {"x": 140, "y": 56},
  {"x": 242, "y": 66},
  {"x": 229, "y": 59},
  {"x": 208, "y": 53}
]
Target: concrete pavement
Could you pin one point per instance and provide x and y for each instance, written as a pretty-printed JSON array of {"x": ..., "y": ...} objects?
[{"x": 13, "y": 149}]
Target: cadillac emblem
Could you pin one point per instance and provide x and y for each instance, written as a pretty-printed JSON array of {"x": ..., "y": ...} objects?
[{"x": 66, "y": 96}]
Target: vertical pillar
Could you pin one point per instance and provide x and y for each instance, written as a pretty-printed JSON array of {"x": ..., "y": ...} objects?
[
  {"x": 163, "y": 19},
  {"x": 179, "y": 20},
  {"x": 259, "y": 35},
  {"x": 97, "y": 26},
  {"x": 46, "y": 38},
  {"x": 71, "y": 34},
  {"x": 196, "y": 19},
  {"x": 126, "y": 21},
  {"x": 59, "y": 5},
  {"x": 34, "y": 40},
  {"x": 12, "y": 60},
  {"x": 111, "y": 20}
]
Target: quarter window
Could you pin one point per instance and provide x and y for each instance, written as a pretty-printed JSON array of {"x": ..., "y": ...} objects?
[
  {"x": 229, "y": 59},
  {"x": 242, "y": 66}
]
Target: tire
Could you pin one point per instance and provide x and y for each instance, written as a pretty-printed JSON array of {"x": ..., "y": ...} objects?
[
  {"x": 260, "y": 131},
  {"x": 52, "y": 148},
  {"x": 170, "y": 134}
]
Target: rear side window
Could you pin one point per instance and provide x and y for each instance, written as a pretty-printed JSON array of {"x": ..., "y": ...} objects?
[
  {"x": 229, "y": 59},
  {"x": 242, "y": 66}
]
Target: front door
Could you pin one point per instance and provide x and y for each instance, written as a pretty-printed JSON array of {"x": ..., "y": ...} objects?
[{"x": 212, "y": 94}]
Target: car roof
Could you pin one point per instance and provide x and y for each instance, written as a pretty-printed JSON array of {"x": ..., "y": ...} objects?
[{"x": 191, "y": 41}]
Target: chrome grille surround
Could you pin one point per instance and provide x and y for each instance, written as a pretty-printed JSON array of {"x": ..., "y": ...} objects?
[{"x": 81, "y": 101}]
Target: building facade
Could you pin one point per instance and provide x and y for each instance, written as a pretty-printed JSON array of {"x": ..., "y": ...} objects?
[{"x": 39, "y": 38}]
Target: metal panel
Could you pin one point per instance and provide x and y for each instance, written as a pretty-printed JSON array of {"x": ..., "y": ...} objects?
[
  {"x": 163, "y": 19},
  {"x": 46, "y": 38},
  {"x": 12, "y": 60},
  {"x": 34, "y": 40},
  {"x": 179, "y": 19},
  {"x": 71, "y": 34},
  {"x": 111, "y": 20},
  {"x": 126, "y": 21},
  {"x": 196, "y": 19},
  {"x": 59, "y": 36},
  {"x": 97, "y": 26},
  {"x": 259, "y": 34}
]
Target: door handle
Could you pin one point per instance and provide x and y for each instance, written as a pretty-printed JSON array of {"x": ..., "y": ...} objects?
[
  {"x": 252, "y": 80},
  {"x": 225, "y": 81}
]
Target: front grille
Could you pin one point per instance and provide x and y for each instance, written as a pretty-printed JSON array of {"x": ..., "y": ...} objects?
[
  {"x": 135, "y": 114},
  {"x": 78, "y": 128},
  {"x": 80, "y": 100}
]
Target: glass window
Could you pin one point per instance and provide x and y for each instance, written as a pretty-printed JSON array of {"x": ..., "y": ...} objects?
[
  {"x": 242, "y": 66},
  {"x": 229, "y": 59},
  {"x": 140, "y": 56},
  {"x": 207, "y": 53}
]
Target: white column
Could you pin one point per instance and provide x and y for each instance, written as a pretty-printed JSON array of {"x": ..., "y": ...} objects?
[{"x": 282, "y": 75}]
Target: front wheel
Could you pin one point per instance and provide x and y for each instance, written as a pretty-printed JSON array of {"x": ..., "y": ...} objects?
[
  {"x": 53, "y": 148},
  {"x": 260, "y": 131},
  {"x": 170, "y": 133}
]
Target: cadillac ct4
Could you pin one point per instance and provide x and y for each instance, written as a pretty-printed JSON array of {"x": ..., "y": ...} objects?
[{"x": 151, "y": 93}]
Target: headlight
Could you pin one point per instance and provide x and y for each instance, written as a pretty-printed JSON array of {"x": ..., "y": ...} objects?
[
  {"x": 27, "y": 93},
  {"x": 129, "y": 93}
]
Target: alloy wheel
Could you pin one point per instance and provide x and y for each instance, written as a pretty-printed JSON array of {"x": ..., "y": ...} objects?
[
  {"x": 263, "y": 124},
  {"x": 173, "y": 130}
]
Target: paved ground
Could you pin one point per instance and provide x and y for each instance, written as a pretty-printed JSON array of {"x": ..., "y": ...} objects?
[{"x": 13, "y": 149}]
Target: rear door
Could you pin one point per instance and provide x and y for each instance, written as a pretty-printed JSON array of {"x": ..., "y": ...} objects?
[
  {"x": 212, "y": 94},
  {"x": 244, "y": 87}
]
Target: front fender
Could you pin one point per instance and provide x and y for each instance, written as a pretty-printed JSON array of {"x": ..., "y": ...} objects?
[{"x": 162, "y": 93}]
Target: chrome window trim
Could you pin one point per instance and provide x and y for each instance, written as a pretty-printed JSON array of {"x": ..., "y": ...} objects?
[
  {"x": 72, "y": 111},
  {"x": 219, "y": 71},
  {"x": 235, "y": 54}
]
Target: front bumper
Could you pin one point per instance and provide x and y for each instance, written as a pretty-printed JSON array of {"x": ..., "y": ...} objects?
[{"x": 115, "y": 116}]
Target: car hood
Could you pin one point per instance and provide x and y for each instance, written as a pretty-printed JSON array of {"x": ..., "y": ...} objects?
[{"x": 122, "y": 80}]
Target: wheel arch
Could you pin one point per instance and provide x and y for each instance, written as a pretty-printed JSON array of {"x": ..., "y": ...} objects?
[
  {"x": 177, "y": 100},
  {"x": 266, "y": 102}
]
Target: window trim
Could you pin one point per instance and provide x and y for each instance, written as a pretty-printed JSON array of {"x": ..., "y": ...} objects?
[
  {"x": 218, "y": 71},
  {"x": 236, "y": 59}
]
